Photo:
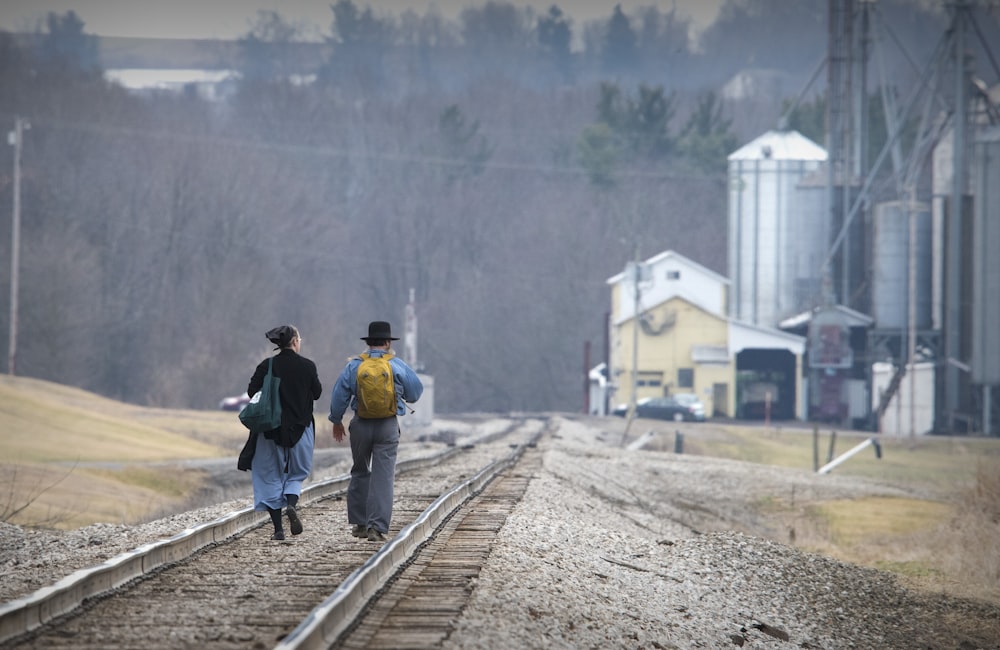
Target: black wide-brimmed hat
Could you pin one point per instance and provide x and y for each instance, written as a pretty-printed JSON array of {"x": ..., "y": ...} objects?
[{"x": 379, "y": 329}]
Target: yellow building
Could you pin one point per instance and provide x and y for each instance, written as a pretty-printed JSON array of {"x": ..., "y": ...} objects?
[{"x": 683, "y": 341}]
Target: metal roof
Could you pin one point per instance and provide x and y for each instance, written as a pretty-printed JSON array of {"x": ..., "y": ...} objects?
[
  {"x": 854, "y": 318},
  {"x": 743, "y": 335},
  {"x": 780, "y": 145},
  {"x": 671, "y": 254}
]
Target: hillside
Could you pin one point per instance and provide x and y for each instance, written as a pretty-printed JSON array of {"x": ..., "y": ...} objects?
[{"x": 72, "y": 457}]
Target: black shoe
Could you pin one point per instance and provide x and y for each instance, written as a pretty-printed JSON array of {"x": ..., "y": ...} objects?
[
  {"x": 375, "y": 536},
  {"x": 359, "y": 530},
  {"x": 279, "y": 535},
  {"x": 293, "y": 520}
]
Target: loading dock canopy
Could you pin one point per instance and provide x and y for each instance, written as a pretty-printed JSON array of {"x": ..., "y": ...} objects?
[
  {"x": 744, "y": 336},
  {"x": 767, "y": 381}
]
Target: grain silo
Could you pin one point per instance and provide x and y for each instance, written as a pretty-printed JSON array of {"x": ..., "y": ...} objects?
[
  {"x": 778, "y": 229},
  {"x": 985, "y": 356},
  {"x": 891, "y": 250}
]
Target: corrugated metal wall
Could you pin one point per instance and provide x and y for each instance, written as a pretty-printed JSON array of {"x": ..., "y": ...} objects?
[{"x": 891, "y": 265}]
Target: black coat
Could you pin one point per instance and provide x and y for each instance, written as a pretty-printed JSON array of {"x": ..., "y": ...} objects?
[{"x": 300, "y": 388}]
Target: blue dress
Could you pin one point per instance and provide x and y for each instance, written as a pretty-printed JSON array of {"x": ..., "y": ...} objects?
[{"x": 278, "y": 471}]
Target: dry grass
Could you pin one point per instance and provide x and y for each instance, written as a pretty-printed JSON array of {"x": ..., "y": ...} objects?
[
  {"x": 73, "y": 458},
  {"x": 973, "y": 529},
  {"x": 942, "y": 539}
]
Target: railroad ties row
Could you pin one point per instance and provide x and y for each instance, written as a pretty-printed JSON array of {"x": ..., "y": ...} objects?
[{"x": 224, "y": 584}]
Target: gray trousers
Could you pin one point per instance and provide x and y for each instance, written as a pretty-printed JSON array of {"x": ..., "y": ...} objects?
[{"x": 374, "y": 444}]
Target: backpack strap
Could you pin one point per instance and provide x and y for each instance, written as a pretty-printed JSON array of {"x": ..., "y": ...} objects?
[{"x": 387, "y": 356}]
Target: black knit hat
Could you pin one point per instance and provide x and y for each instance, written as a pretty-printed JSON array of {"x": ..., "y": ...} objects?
[{"x": 379, "y": 330}]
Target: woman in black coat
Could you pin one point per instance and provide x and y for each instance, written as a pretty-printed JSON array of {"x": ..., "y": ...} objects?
[{"x": 283, "y": 457}]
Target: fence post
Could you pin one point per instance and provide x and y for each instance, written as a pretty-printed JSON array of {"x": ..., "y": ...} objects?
[
  {"x": 679, "y": 443},
  {"x": 815, "y": 448}
]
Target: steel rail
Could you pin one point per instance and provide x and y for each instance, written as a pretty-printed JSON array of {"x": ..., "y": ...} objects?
[{"x": 332, "y": 618}]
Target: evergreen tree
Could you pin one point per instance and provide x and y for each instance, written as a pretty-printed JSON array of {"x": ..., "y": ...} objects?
[
  {"x": 649, "y": 117},
  {"x": 554, "y": 38},
  {"x": 706, "y": 139},
  {"x": 267, "y": 52},
  {"x": 360, "y": 42},
  {"x": 620, "y": 52},
  {"x": 66, "y": 48},
  {"x": 598, "y": 154},
  {"x": 808, "y": 118},
  {"x": 462, "y": 144}
]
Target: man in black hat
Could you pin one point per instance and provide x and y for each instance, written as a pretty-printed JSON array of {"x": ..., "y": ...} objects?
[{"x": 376, "y": 385}]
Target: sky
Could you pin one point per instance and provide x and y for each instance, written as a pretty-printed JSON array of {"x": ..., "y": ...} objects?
[{"x": 230, "y": 19}]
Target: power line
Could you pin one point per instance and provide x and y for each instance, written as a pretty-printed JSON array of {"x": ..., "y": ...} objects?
[{"x": 348, "y": 154}]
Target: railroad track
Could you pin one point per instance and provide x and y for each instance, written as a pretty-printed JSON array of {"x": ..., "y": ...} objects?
[
  {"x": 419, "y": 607},
  {"x": 227, "y": 585}
]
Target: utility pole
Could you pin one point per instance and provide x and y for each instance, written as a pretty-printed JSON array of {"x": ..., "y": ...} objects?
[
  {"x": 636, "y": 270},
  {"x": 954, "y": 224},
  {"x": 911, "y": 337},
  {"x": 410, "y": 333},
  {"x": 15, "y": 138}
]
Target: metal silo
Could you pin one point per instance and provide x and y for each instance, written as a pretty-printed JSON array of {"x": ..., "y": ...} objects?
[
  {"x": 891, "y": 265},
  {"x": 778, "y": 226},
  {"x": 986, "y": 276}
]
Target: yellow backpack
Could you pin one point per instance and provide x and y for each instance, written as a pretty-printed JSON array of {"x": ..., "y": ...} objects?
[{"x": 376, "y": 387}]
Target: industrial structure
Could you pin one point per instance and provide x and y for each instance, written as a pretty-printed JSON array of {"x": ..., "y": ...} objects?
[
  {"x": 915, "y": 253},
  {"x": 888, "y": 268}
]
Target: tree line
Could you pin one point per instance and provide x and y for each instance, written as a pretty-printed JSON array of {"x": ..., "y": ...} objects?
[{"x": 480, "y": 163}]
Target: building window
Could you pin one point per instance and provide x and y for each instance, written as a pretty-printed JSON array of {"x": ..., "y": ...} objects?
[
  {"x": 685, "y": 377},
  {"x": 673, "y": 275},
  {"x": 649, "y": 379}
]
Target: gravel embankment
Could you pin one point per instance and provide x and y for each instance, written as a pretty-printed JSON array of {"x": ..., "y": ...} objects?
[{"x": 603, "y": 553}]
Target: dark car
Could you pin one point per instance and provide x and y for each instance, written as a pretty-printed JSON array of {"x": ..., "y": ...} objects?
[{"x": 679, "y": 407}]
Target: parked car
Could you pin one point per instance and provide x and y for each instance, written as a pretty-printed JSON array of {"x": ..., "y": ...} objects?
[
  {"x": 234, "y": 403},
  {"x": 695, "y": 405},
  {"x": 678, "y": 407}
]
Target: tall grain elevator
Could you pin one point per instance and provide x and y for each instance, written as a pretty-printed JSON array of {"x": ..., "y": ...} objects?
[{"x": 777, "y": 227}]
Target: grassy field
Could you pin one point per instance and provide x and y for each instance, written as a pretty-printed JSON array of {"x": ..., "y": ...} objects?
[{"x": 943, "y": 538}]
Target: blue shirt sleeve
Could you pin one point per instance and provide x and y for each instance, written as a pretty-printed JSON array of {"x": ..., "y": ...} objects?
[
  {"x": 409, "y": 388},
  {"x": 343, "y": 392}
]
